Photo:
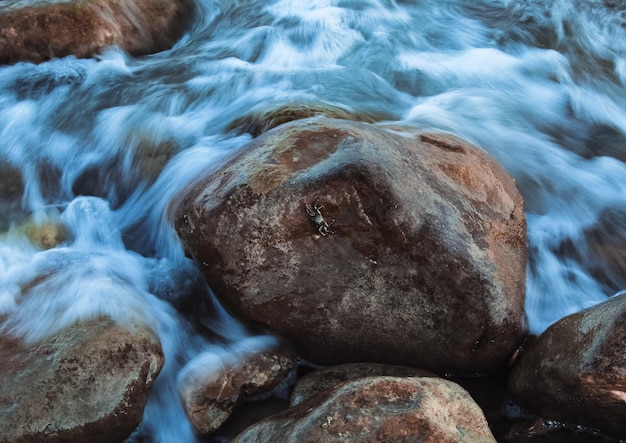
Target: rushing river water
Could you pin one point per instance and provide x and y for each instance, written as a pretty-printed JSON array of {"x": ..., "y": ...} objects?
[{"x": 104, "y": 145}]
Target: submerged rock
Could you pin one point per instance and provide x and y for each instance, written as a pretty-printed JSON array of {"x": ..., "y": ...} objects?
[
  {"x": 257, "y": 122},
  {"x": 423, "y": 264},
  {"x": 88, "y": 382},
  {"x": 140, "y": 164},
  {"x": 605, "y": 140},
  {"x": 376, "y": 409},
  {"x": 84, "y": 28},
  {"x": 576, "y": 370},
  {"x": 45, "y": 235},
  {"x": 606, "y": 249},
  {"x": 11, "y": 193},
  {"x": 210, "y": 394}
]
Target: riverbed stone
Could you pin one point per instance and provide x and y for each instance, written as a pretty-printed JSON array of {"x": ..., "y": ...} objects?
[
  {"x": 88, "y": 382},
  {"x": 44, "y": 30},
  {"x": 575, "y": 372},
  {"x": 210, "y": 394},
  {"x": 45, "y": 235},
  {"x": 262, "y": 120},
  {"x": 423, "y": 264},
  {"x": 376, "y": 409},
  {"x": 326, "y": 378}
]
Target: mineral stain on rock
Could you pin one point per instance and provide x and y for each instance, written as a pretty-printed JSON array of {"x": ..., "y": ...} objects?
[{"x": 292, "y": 155}]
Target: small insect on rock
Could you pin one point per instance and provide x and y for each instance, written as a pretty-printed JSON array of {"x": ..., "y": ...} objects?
[{"x": 317, "y": 219}]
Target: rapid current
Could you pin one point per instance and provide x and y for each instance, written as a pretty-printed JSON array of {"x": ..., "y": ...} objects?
[{"x": 104, "y": 145}]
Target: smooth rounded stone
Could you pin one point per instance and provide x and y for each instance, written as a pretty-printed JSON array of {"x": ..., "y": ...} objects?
[
  {"x": 575, "y": 372},
  {"x": 325, "y": 378},
  {"x": 257, "y": 122},
  {"x": 376, "y": 409},
  {"x": 88, "y": 382},
  {"x": 45, "y": 30},
  {"x": 211, "y": 392},
  {"x": 423, "y": 264}
]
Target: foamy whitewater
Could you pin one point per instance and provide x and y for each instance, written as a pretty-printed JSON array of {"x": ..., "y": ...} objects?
[{"x": 538, "y": 84}]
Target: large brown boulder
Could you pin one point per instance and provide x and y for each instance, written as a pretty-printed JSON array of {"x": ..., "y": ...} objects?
[
  {"x": 576, "y": 370},
  {"x": 85, "y": 27},
  {"x": 210, "y": 391},
  {"x": 379, "y": 409},
  {"x": 423, "y": 265},
  {"x": 88, "y": 382}
]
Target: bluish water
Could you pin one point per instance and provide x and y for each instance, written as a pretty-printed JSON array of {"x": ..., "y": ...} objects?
[{"x": 104, "y": 145}]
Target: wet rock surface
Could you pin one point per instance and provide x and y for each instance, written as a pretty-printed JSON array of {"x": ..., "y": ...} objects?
[
  {"x": 88, "y": 382},
  {"x": 86, "y": 27},
  {"x": 424, "y": 259},
  {"x": 375, "y": 409},
  {"x": 329, "y": 377},
  {"x": 576, "y": 370},
  {"x": 211, "y": 393}
]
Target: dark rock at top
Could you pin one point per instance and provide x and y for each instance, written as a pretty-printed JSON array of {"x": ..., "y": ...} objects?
[{"x": 86, "y": 27}]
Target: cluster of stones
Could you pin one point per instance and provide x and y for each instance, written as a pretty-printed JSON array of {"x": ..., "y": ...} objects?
[
  {"x": 88, "y": 381},
  {"x": 420, "y": 275},
  {"x": 392, "y": 256},
  {"x": 421, "y": 263}
]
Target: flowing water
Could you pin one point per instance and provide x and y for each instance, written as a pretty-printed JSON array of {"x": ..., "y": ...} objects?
[{"x": 103, "y": 146}]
